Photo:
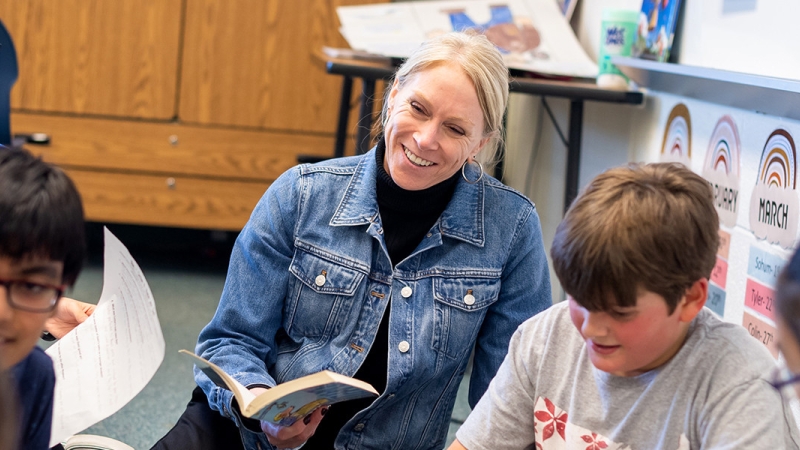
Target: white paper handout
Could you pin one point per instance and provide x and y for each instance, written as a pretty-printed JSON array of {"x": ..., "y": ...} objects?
[
  {"x": 533, "y": 35},
  {"x": 107, "y": 360}
]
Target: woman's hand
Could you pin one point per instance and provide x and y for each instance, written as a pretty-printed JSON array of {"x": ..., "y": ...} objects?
[
  {"x": 69, "y": 314},
  {"x": 295, "y": 435}
]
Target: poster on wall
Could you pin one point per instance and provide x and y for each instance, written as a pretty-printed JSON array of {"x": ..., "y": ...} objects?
[
  {"x": 773, "y": 220},
  {"x": 763, "y": 268},
  {"x": 722, "y": 170},
  {"x": 774, "y": 202},
  {"x": 677, "y": 143},
  {"x": 532, "y": 35},
  {"x": 656, "y": 29}
]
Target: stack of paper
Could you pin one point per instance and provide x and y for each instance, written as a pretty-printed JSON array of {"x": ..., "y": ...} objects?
[{"x": 106, "y": 361}]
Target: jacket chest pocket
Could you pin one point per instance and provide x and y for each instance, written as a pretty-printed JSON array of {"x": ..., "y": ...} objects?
[
  {"x": 321, "y": 294},
  {"x": 460, "y": 305}
]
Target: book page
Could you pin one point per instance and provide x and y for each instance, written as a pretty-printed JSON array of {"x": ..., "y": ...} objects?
[
  {"x": 104, "y": 362},
  {"x": 221, "y": 378}
]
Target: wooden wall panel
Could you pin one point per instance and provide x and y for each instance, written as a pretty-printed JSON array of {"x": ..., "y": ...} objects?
[
  {"x": 170, "y": 149},
  {"x": 105, "y": 57},
  {"x": 250, "y": 63}
]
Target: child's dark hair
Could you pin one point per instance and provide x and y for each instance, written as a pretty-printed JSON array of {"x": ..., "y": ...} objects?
[
  {"x": 787, "y": 295},
  {"x": 651, "y": 227},
  {"x": 41, "y": 214}
]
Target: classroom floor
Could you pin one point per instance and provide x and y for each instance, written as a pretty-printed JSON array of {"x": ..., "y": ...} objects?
[{"x": 186, "y": 271}]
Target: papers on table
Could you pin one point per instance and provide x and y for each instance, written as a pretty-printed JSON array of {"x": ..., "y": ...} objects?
[
  {"x": 533, "y": 35},
  {"x": 104, "y": 362}
]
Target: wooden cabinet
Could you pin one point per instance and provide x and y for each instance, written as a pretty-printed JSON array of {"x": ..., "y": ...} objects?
[
  {"x": 99, "y": 57},
  {"x": 175, "y": 112}
]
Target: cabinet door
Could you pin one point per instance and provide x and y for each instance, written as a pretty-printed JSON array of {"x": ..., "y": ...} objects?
[
  {"x": 106, "y": 57},
  {"x": 250, "y": 63}
]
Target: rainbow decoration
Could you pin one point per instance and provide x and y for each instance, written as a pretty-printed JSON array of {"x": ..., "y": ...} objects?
[
  {"x": 778, "y": 165},
  {"x": 724, "y": 148},
  {"x": 677, "y": 142}
]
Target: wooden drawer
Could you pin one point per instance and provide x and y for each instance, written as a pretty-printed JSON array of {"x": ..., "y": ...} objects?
[
  {"x": 169, "y": 148},
  {"x": 178, "y": 201}
]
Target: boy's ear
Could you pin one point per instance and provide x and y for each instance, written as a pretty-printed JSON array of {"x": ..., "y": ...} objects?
[{"x": 693, "y": 301}]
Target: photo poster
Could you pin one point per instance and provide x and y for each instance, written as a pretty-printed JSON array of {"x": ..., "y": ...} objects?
[
  {"x": 656, "y": 29},
  {"x": 750, "y": 162},
  {"x": 532, "y": 35}
]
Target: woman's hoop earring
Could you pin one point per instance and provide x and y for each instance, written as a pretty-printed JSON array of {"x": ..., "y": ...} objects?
[{"x": 464, "y": 175}]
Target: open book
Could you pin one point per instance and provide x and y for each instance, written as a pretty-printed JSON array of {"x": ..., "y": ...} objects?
[{"x": 287, "y": 402}]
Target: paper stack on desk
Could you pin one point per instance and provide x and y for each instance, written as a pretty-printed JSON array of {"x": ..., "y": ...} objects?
[
  {"x": 104, "y": 362},
  {"x": 533, "y": 35}
]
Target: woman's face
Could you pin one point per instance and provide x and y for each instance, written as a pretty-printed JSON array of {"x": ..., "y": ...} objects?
[
  {"x": 435, "y": 124},
  {"x": 790, "y": 349}
]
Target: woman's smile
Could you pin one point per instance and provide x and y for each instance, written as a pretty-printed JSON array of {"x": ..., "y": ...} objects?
[{"x": 416, "y": 160}]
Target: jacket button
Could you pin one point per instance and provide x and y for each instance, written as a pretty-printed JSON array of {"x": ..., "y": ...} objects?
[
  {"x": 320, "y": 280},
  {"x": 359, "y": 427},
  {"x": 406, "y": 292},
  {"x": 469, "y": 299},
  {"x": 403, "y": 346}
]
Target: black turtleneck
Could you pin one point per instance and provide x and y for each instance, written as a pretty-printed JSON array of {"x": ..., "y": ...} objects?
[{"x": 406, "y": 216}]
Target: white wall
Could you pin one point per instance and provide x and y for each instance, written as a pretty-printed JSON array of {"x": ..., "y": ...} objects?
[
  {"x": 752, "y": 36},
  {"x": 763, "y": 38}
]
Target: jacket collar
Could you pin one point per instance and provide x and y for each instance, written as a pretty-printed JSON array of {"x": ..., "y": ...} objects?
[{"x": 463, "y": 218}]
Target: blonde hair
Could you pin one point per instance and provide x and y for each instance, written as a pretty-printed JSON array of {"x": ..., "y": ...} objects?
[{"x": 481, "y": 62}]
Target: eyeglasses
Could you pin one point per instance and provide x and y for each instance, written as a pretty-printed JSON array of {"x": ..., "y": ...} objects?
[
  {"x": 32, "y": 297},
  {"x": 784, "y": 380}
]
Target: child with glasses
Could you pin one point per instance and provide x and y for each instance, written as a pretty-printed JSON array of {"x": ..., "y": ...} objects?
[
  {"x": 633, "y": 360},
  {"x": 42, "y": 248}
]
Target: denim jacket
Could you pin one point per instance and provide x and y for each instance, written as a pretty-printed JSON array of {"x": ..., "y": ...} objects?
[{"x": 310, "y": 277}]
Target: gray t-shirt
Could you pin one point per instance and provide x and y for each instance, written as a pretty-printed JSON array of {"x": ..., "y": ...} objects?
[{"x": 713, "y": 393}]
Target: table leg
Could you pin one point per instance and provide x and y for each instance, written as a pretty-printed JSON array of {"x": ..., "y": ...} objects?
[
  {"x": 573, "y": 152},
  {"x": 363, "y": 137},
  {"x": 344, "y": 115}
]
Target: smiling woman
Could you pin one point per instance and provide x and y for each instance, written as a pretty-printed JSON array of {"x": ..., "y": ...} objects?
[{"x": 390, "y": 267}]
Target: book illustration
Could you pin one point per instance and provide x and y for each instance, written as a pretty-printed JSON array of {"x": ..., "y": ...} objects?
[
  {"x": 501, "y": 29},
  {"x": 656, "y": 29},
  {"x": 287, "y": 402},
  {"x": 532, "y": 35}
]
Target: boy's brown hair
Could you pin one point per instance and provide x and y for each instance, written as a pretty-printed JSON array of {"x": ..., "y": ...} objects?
[{"x": 651, "y": 227}]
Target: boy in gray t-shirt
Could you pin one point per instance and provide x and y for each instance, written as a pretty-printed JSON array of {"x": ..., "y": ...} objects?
[{"x": 632, "y": 360}]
